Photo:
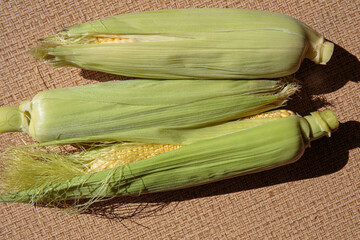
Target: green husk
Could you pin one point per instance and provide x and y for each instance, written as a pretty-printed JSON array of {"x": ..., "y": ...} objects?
[
  {"x": 255, "y": 149},
  {"x": 33, "y": 166},
  {"x": 188, "y": 44},
  {"x": 144, "y": 110}
]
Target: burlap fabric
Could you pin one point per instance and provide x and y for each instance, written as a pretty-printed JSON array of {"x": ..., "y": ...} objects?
[{"x": 315, "y": 198}]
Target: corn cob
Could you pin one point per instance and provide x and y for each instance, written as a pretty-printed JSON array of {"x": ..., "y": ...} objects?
[
  {"x": 188, "y": 44},
  {"x": 262, "y": 147},
  {"x": 34, "y": 166},
  {"x": 141, "y": 110}
]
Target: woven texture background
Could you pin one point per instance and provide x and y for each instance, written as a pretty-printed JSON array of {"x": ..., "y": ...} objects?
[{"x": 315, "y": 198}]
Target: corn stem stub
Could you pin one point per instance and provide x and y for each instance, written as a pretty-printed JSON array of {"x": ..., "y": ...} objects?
[
  {"x": 188, "y": 44},
  {"x": 262, "y": 147},
  {"x": 142, "y": 110}
]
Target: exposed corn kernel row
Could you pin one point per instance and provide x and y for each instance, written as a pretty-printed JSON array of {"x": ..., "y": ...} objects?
[
  {"x": 128, "y": 153},
  {"x": 113, "y": 40},
  {"x": 273, "y": 114}
]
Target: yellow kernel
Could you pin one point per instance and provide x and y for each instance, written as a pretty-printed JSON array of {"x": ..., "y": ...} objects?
[
  {"x": 127, "y": 154},
  {"x": 273, "y": 114}
]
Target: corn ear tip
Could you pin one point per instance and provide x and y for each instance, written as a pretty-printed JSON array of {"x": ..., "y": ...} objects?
[
  {"x": 40, "y": 52},
  {"x": 290, "y": 86}
]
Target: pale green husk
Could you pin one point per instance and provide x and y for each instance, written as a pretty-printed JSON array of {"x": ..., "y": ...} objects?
[
  {"x": 33, "y": 166},
  {"x": 258, "y": 148},
  {"x": 189, "y": 44},
  {"x": 143, "y": 110}
]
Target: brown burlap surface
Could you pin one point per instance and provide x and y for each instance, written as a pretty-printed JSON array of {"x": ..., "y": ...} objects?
[{"x": 315, "y": 198}]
